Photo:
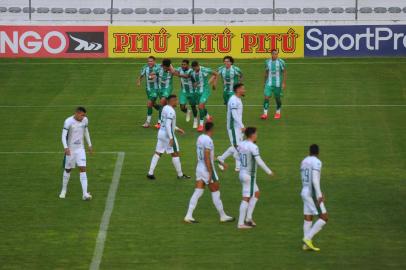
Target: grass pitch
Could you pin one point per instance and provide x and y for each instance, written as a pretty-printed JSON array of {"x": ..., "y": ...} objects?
[{"x": 363, "y": 149}]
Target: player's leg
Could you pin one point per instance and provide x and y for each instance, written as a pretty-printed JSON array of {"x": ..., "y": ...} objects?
[
  {"x": 277, "y": 91},
  {"x": 192, "y": 99},
  {"x": 267, "y": 95},
  {"x": 246, "y": 194},
  {"x": 80, "y": 157},
  {"x": 310, "y": 208},
  {"x": 199, "y": 189},
  {"x": 251, "y": 206},
  {"x": 174, "y": 151},
  {"x": 159, "y": 149},
  {"x": 67, "y": 168},
  {"x": 182, "y": 102},
  {"x": 202, "y": 114},
  {"x": 150, "y": 104},
  {"x": 214, "y": 187},
  {"x": 238, "y": 139},
  {"x": 231, "y": 151},
  {"x": 319, "y": 224}
]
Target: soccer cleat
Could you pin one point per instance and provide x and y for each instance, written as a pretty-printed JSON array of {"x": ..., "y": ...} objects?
[
  {"x": 209, "y": 118},
  {"x": 306, "y": 248},
  {"x": 200, "y": 128},
  {"x": 188, "y": 115},
  {"x": 244, "y": 226},
  {"x": 250, "y": 222},
  {"x": 277, "y": 116},
  {"x": 195, "y": 123},
  {"x": 158, "y": 126},
  {"x": 146, "y": 125},
  {"x": 62, "y": 195},
  {"x": 220, "y": 164},
  {"x": 87, "y": 197},
  {"x": 184, "y": 176},
  {"x": 190, "y": 220},
  {"x": 151, "y": 176},
  {"x": 226, "y": 219},
  {"x": 309, "y": 244},
  {"x": 237, "y": 169},
  {"x": 264, "y": 116}
]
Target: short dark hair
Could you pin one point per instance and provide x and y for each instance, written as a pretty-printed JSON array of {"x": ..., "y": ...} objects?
[
  {"x": 185, "y": 61},
  {"x": 274, "y": 50},
  {"x": 249, "y": 131},
  {"x": 236, "y": 86},
  {"x": 171, "y": 97},
  {"x": 208, "y": 126},
  {"x": 81, "y": 109},
  {"x": 151, "y": 57},
  {"x": 314, "y": 149},
  {"x": 166, "y": 62},
  {"x": 195, "y": 63},
  {"x": 229, "y": 58}
]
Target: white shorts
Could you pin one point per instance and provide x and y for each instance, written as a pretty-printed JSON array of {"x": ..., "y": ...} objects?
[
  {"x": 235, "y": 136},
  {"x": 249, "y": 185},
  {"x": 203, "y": 175},
  {"x": 162, "y": 145},
  {"x": 311, "y": 207},
  {"x": 77, "y": 157}
]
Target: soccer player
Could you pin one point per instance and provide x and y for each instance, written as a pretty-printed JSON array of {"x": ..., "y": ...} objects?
[
  {"x": 201, "y": 84},
  {"x": 74, "y": 129},
  {"x": 149, "y": 71},
  {"x": 313, "y": 199},
  {"x": 235, "y": 127},
  {"x": 187, "y": 93},
  {"x": 250, "y": 158},
  {"x": 206, "y": 176},
  {"x": 275, "y": 82},
  {"x": 165, "y": 81},
  {"x": 231, "y": 75},
  {"x": 167, "y": 141}
]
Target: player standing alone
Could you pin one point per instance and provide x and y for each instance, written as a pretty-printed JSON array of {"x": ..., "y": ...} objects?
[
  {"x": 206, "y": 175},
  {"x": 167, "y": 141},
  {"x": 250, "y": 158},
  {"x": 74, "y": 129},
  {"x": 313, "y": 199},
  {"x": 231, "y": 75},
  {"x": 275, "y": 82}
]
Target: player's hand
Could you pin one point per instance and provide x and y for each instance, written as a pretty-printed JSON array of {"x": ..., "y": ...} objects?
[
  {"x": 171, "y": 142},
  {"x": 271, "y": 174},
  {"x": 283, "y": 85},
  {"x": 225, "y": 166},
  {"x": 67, "y": 151},
  {"x": 90, "y": 148},
  {"x": 138, "y": 82},
  {"x": 181, "y": 131},
  {"x": 243, "y": 129},
  {"x": 320, "y": 199}
]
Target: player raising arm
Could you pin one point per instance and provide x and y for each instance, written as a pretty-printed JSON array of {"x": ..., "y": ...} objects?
[
  {"x": 250, "y": 158},
  {"x": 74, "y": 130},
  {"x": 313, "y": 199},
  {"x": 206, "y": 175},
  {"x": 231, "y": 75}
]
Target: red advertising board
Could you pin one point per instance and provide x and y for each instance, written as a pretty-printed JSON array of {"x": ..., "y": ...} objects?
[{"x": 53, "y": 41}]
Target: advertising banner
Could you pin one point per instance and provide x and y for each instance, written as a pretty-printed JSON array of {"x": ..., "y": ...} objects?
[
  {"x": 206, "y": 41},
  {"x": 53, "y": 41},
  {"x": 355, "y": 40}
]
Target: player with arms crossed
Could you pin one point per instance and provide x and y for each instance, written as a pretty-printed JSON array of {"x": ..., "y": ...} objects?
[
  {"x": 231, "y": 75},
  {"x": 275, "y": 82},
  {"x": 187, "y": 93},
  {"x": 74, "y": 130},
  {"x": 167, "y": 141},
  {"x": 165, "y": 80},
  {"x": 313, "y": 199},
  {"x": 206, "y": 175},
  {"x": 149, "y": 71},
  {"x": 250, "y": 158},
  {"x": 235, "y": 127},
  {"x": 201, "y": 84}
]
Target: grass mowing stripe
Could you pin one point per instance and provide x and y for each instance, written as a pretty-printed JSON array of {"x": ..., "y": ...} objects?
[{"x": 104, "y": 224}]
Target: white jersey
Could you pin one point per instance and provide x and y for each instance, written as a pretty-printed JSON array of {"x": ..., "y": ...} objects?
[
  {"x": 248, "y": 151},
  {"x": 168, "y": 122},
  {"x": 75, "y": 131},
  {"x": 234, "y": 113},
  {"x": 308, "y": 165},
  {"x": 204, "y": 142}
]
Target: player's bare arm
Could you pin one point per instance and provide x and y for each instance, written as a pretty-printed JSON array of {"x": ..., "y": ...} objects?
[
  {"x": 213, "y": 80},
  {"x": 181, "y": 131}
]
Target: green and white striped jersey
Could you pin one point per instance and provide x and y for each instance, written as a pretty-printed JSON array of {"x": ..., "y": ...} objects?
[
  {"x": 231, "y": 76},
  {"x": 202, "y": 79},
  {"x": 165, "y": 79},
  {"x": 275, "y": 72},
  {"x": 146, "y": 71},
  {"x": 186, "y": 83}
]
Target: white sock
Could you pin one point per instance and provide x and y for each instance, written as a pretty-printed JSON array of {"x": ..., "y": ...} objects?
[
  {"x": 178, "y": 166},
  {"x": 243, "y": 212},
  {"x": 315, "y": 228},
  {"x": 201, "y": 122},
  {"x": 265, "y": 112},
  {"x": 154, "y": 162},
  {"x": 218, "y": 203},
  {"x": 278, "y": 111},
  {"x": 83, "y": 181},
  {"x": 149, "y": 118},
  {"x": 193, "y": 201},
  {"x": 65, "y": 180},
  {"x": 207, "y": 116},
  {"x": 251, "y": 207},
  {"x": 307, "y": 225},
  {"x": 230, "y": 151}
]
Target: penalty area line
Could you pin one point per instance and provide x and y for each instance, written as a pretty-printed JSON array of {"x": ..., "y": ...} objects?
[{"x": 108, "y": 210}]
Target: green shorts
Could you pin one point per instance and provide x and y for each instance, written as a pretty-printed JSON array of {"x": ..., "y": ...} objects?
[
  {"x": 226, "y": 96},
  {"x": 272, "y": 90},
  {"x": 152, "y": 94},
  {"x": 166, "y": 92},
  {"x": 185, "y": 98},
  {"x": 202, "y": 98}
]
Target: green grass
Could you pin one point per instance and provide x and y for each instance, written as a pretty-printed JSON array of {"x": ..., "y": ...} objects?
[{"x": 363, "y": 150}]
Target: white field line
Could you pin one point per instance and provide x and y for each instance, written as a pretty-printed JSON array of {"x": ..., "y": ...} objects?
[
  {"x": 108, "y": 210},
  {"x": 209, "y": 105},
  {"x": 48, "y": 152}
]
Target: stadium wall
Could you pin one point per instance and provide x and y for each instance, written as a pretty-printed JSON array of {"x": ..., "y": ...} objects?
[{"x": 202, "y": 41}]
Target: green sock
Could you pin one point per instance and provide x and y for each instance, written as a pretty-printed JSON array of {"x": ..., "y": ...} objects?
[
  {"x": 159, "y": 114},
  {"x": 157, "y": 107},
  {"x": 149, "y": 111},
  {"x": 202, "y": 113},
  {"x": 278, "y": 103},
  {"x": 266, "y": 104},
  {"x": 194, "y": 110}
]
